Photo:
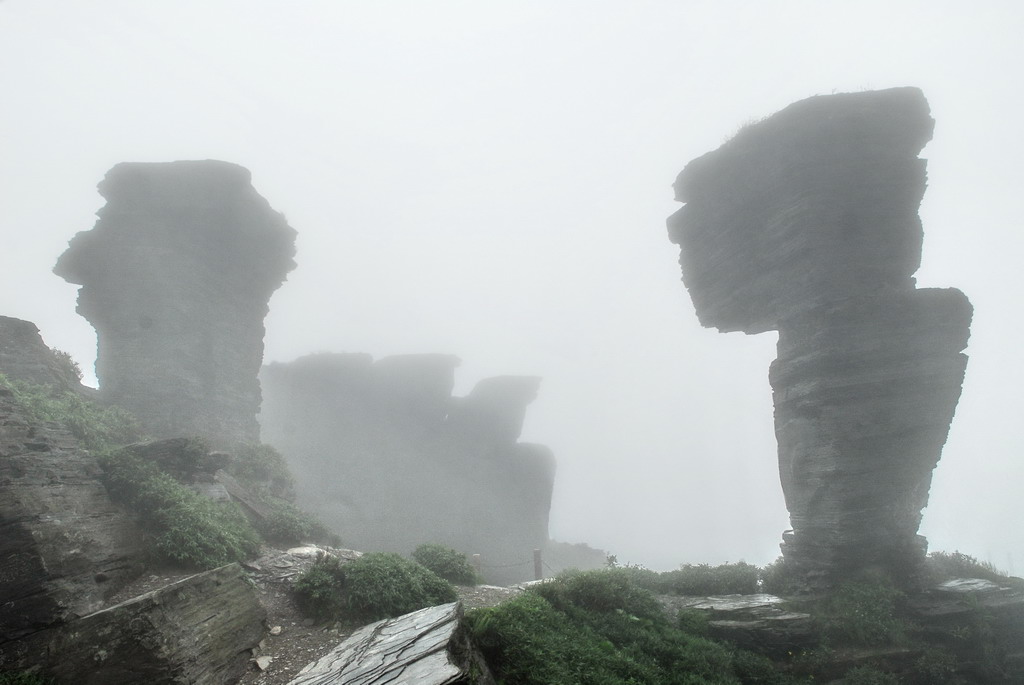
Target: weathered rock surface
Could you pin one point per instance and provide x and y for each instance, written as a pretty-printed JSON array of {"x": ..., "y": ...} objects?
[
  {"x": 806, "y": 223},
  {"x": 384, "y": 452},
  {"x": 815, "y": 203},
  {"x": 64, "y": 547},
  {"x": 25, "y": 357},
  {"x": 197, "y": 631},
  {"x": 427, "y": 647},
  {"x": 284, "y": 567},
  {"x": 176, "y": 276},
  {"x": 758, "y": 622}
]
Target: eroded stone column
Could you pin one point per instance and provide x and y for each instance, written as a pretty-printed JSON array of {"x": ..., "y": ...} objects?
[
  {"x": 806, "y": 223},
  {"x": 176, "y": 276}
]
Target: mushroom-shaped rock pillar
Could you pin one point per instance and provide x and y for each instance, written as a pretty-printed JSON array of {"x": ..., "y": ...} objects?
[
  {"x": 806, "y": 223},
  {"x": 176, "y": 278}
]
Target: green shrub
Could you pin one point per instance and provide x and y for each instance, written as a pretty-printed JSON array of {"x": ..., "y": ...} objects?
[
  {"x": 865, "y": 613},
  {"x": 287, "y": 524},
  {"x": 446, "y": 562},
  {"x": 601, "y": 627},
  {"x": 600, "y": 591},
  {"x": 702, "y": 580},
  {"x": 99, "y": 428},
  {"x": 321, "y": 589},
  {"x": 374, "y": 586},
  {"x": 263, "y": 470},
  {"x": 942, "y": 566},
  {"x": 693, "y": 621},
  {"x": 526, "y": 641},
  {"x": 185, "y": 527},
  {"x": 23, "y": 679},
  {"x": 778, "y": 578},
  {"x": 66, "y": 366}
]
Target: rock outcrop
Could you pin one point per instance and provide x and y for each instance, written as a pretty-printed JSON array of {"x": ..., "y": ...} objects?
[
  {"x": 806, "y": 223},
  {"x": 25, "y": 357},
  {"x": 176, "y": 276},
  {"x": 64, "y": 547},
  {"x": 66, "y": 550},
  {"x": 197, "y": 631},
  {"x": 384, "y": 453},
  {"x": 428, "y": 647}
]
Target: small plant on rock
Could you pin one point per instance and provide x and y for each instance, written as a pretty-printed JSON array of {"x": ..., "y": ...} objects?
[{"x": 446, "y": 562}]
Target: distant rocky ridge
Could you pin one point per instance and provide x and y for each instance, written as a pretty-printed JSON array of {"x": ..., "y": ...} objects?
[
  {"x": 384, "y": 453},
  {"x": 176, "y": 276},
  {"x": 806, "y": 223}
]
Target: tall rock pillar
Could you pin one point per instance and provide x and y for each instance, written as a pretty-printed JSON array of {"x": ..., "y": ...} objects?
[
  {"x": 806, "y": 223},
  {"x": 176, "y": 276}
]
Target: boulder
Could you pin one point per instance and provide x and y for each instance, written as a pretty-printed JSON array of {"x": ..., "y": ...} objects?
[
  {"x": 758, "y": 622},
  {"x": 427, "y": 647}
]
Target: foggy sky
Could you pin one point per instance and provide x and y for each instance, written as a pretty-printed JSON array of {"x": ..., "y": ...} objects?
[{"x": 491, "y": 179}]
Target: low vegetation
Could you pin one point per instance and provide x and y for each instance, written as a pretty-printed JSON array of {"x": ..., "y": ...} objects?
[
  {"x": 184, "y": 526},
  {"x": 447, "y": 563},
  {"x": 942, "y": 566},
  {"x": 99, "y": 428},
  {"x": 601, "y": 627},
  {"x": 23, "y": 679},
  {"x": 377, "y": 585},
  {"x": 264, "y": 472},
  {"x": 697, "y": 580}
]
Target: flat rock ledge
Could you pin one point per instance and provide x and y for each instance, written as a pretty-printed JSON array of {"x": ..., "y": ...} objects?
[
  {"x": 427, "y": 647},
  {"x": 197, "y": 631},
  {"x": 760, "y": 622}
]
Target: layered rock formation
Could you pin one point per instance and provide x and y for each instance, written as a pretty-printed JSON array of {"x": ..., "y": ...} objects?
[
  {"x": 428, "y": 647},
  {"x": 25, "y": 357},
  {"x": 197, "y": 631},
  {"x": 806, "y": 223},
  {"x": 176, "y": 276},
  {"x": 64, "y": 547},
  {"x": 386, "y": 455}
]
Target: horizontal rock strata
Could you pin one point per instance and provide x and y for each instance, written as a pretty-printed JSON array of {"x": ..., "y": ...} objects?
[
  {"x": 176, "y": 276},
  {"x": 806, "y": 223},
  {"x": 427, "y": 647},
  {"x": 64, "y": 547},
  {"x": 197, "y": 631}
]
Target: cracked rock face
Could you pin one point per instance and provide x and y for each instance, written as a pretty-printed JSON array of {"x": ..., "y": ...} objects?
[
  {"x": 426, "y": 646},
  {"x": 176, "y": 276},
  {"x": 806, "y": 223}
]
